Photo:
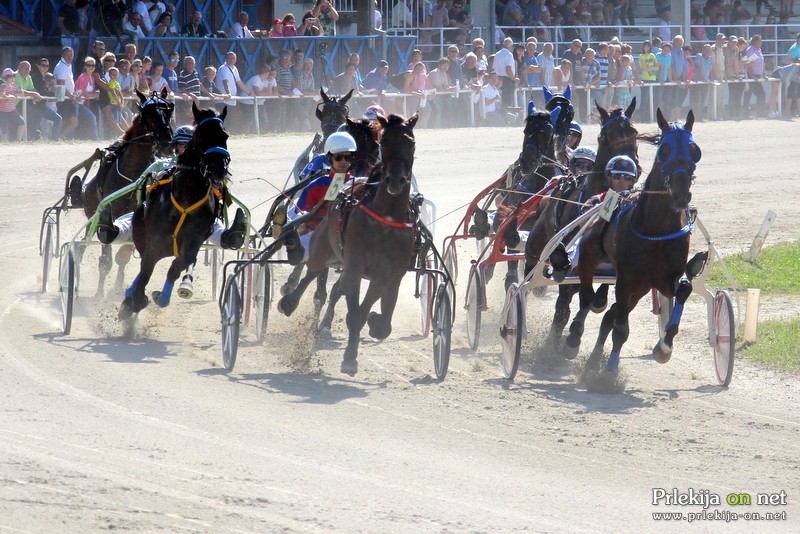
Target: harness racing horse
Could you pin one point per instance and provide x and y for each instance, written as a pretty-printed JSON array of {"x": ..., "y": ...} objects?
[
  {"x": 534, "y": 167},
  {"x": 148, "y": 137},
  {"x": 331, "y": 113},
  {"x": 648, "y": 244},
  {"x": 376, "y": 241},
  {"x": 617, "y": 137},
  {"x": 560, "y": 100},
  {"x": 178, "y": 215}
]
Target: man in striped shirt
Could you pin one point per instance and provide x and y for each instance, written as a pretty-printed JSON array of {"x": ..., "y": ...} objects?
[
  {"x": 602, "y": 60},
  {"x": 189, "y": 88}
]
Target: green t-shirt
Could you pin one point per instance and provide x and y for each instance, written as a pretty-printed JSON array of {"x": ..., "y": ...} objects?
[
  {"x": 25, "y": 84},
  {"x": 648, "y": 60}
]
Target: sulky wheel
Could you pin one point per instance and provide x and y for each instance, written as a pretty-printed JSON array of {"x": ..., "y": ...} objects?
[
  {"x": 724, "y": 337},
  {"x": 474, "y": 307},
  {"x": 67, "y": 288},
  {"x": 262, "y": 297},
  {"x": 48, "y": 250},
  {"x": 231, "y": 313},
  {"x": 511, "y": 331},
  {"x": 442, "y": 329}
]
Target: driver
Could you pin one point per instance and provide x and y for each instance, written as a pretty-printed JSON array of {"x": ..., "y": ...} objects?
[
  {"x": 574, "y": 135},
  {"x": 340, "y": 148},
  {"x": 621, "y": 173},
  {"x": 122, "y": 226}
]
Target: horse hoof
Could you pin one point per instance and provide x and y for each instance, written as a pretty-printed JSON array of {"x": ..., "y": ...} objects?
[
  {"x": 378, "y": 327},
  {"x": 599, "y": 305},
  {"x": 662, "y": 353},
  {"x": 286, "y": 306},
  {"x": 350, "y": 367},
  {"x": 156, "y": 296},
  {"x": 287, "y": 288},
  {"x": 324, "y": 332},
  {"x": 125, "y": 310},
  {"x": 570, "y": 353}
]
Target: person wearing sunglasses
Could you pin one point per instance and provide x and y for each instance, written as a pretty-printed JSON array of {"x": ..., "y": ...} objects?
[
  {"x": 340, "y": 148},
  {"x": 574, "y": 135},
  {"x": 582, "y": 160},
  {"x": 621, "y": 174}
]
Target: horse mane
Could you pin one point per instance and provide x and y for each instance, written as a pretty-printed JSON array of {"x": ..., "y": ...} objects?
[
  {"x": 134, "y": 127},
  {"x": 394, "y": 119},
  {"x": 652, "y": 139}
]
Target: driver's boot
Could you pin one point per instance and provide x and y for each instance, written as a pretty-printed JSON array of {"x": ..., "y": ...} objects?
[
  {"x": 107, "y": 232},
  {"x": 233, "y": 237}
]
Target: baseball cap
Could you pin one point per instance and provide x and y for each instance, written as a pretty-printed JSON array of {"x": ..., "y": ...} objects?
[
  {"x": 383, "y": 63},
  {"x": 8, "y": 72},
  {"x": 277, "y": 21}
]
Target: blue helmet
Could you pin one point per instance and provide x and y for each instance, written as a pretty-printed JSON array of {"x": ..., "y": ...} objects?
[
  {"x": 183, "y": 134},
  {"x": 575, "y": 127}
]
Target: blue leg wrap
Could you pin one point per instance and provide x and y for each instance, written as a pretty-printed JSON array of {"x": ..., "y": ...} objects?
[
  {"x": 675, "y": 318},
  {"x": 613, "y": 361},
  {"x": 166, "y": 294},
  {"x": 132, "y": 288}
]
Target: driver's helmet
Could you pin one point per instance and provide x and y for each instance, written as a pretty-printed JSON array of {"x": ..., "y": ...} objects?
[
  {"x": 575, "y": 127},
  {"x": 373, "y": 111},
  {"x": 339, "y": 142},
  {"x": 584, "y": 152},
  {"x": 622, "y": 165},
  {"x": 183, "y": 134}
]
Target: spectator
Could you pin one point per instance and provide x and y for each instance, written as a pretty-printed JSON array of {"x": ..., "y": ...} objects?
[
  {"x": 415, "y": 84},
  {"x": 68, "y": 23},
  {"x": 306, "y": 84},
  {"x": 170, "y": 71},
  {"x": 505, "y": 66},
  {"x": 470, "y": 71},
  {"x": 376, "y": 80},
  {"x": 664, "y": 31},
  {"x": 680, "y": 75},
  {"x": 277, "y": 28},
  {"x": 574, "y": 54},
  {"x": 454, "y": 72},
  {"x": 130, "y": 52},
  {"x": 115, "y": 96},
  {"x": 628, "y": 77},
  {"x": 11, "y": 122},
  {"x": 288, "y": 26},
  {"x": 24, "y": 82},
  {"x": 346, "y": 81},
  {"x": 229, "y": 82},
  {"x": 140, "y": 8},
  {"x": 416, "y": 57},
  {"x": 146, "y": 73},
  {"x": 174, "y": 28},
  {"x": 258, "y": 85},
  {"x": 311, "y": 25},
  {"x": 492, "y": 98},
  {"x": 355, "y": 59},
  {"x": 754, "y": 60},
  {"x": 155, "y": 9},
  {"x": 138, "y": 82},
  {"x": 157, "y": 81},
  {"x": 664, "y": 98},
  {"x": 547, "y": 61},
  {"x": 71, "y": 113},
  {"x": 189, "y": 88},
  {"x": 439, "y": 82},
  {"x": 377, "y": 21},
  {"x": 732, "y": 73},
  {"x": 195, "y": 28},
  {"x": 790, "y": 75},
  {"x": 100, "y": 85},
  {"x": 460, "y": 19},
  {"x": 209, "y": 84},
  {"x": 42, "y": 111},
  {"x": 532, "y": 68},
  {"x": 162, "y": 26},
  {"x": 401, "y": 15},
  {"x": 327, "y": 16},
  {"x": 239, "y": 30},
  {"x": 648, "y": 71},
  {"x": 562, "y": 75},
  {"x": 703, "y": 64},
  {"x": 85, "y": 86},
  {"x": 284, "y": 76},
  {"x": 134, "y": 25},
  {"x": 125, "y": 78}
]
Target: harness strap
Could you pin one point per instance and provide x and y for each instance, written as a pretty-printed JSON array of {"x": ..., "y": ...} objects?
[
  {"x": 184, "y": 212},
  {"x": 158, "y": 183},
  {"x": 383, "y": 220},
  {"x": 682, "y": 232}
]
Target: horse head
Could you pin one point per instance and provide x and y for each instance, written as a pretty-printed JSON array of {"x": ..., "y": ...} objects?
[
  {"x": 397, "y": 150},
  {"x": 208, "y": 149},
  {"x": 617, "y": 134},
  {"x": 366, "y": 134},
  {"x": 676, "y": 159},
  {"x": 537, "y": 142},
  {"x": 155, "y": 113},
  {"x": 561, "y": 100},
  {"x": 332, "y": 112}
]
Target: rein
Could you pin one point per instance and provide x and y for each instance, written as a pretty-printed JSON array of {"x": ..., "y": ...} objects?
[
  {"x": 680, "y": 233},
  {"x": 383, "y": 220}
]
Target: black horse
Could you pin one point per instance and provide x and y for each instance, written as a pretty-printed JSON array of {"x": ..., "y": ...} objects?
[
  {"x": 376, "y": 241},
  {"x": 148, "y": 137},
  {"x": 178, "y": 216},
  {"x": 331, "y": 112},
  {"x": 648, "y": 244},
  {"x": 617, "y": 137},
  {"x": 561, "y": 100}
]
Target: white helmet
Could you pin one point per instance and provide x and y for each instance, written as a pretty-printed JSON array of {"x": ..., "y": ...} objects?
[
  {"x": 622, "y": 165},
  {"x": 340, "y": 142},
  {"x": 584, "y": 152}
]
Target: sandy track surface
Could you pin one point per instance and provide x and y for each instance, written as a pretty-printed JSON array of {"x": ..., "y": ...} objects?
[{"x": 142, "y": 431}]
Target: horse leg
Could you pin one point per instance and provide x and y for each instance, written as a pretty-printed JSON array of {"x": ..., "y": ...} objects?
[
  {"x": 321, "y": 294},
  {"x": 104, "y": 267},
  {"x": 619, "y": 335},
  {"x": 380, "y": 324},
  {"x": 560, "y": 318},
  {"x": 122, "y": 259},
  {"x": 600, "y": 299},
  {"x": 162, "y": 298},
  {"x": 663, "y": 349},
  {"x": 355, "y": 319},
  {"x": 288, "y": 304},
  {"x": 291, "y": 282},
  {"x": 135, "y": 298},
  {"x": 586, "y": 294},
  {"x": 327, "y": 319},
  {"x": 606, "y": 326},
  {"x": 186, "y": 288}
]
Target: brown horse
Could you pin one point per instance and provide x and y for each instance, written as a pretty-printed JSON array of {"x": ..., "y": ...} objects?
[
  {"x": 648, "y": 244},
  {"x": 376, "y": 241},
  {"x": 617, "y": 137}
]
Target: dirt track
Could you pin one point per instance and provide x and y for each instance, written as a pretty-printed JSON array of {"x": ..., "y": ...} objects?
[{"x": 146, "y": 433}]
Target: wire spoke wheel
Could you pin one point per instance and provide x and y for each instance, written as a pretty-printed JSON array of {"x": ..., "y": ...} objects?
[
  {"x": 511, "y": 332},
  {"x": 230, "y": 311},
  {"x": 724, "y": 337},
  {"x": 442, "y": 330},
  {"x": 474, "y": 308},
  {"x": 67, "y": 290}
]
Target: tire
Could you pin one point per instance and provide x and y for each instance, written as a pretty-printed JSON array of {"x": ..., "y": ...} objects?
[
  {"x": 262, "y": 297},
  {"x": 442, "y": 330},
  {"x": 231, "y": 312},
  {"x": 511, "y": 333},
  {"x": 426, "y": 296},
  {"x": 48, "y": 253},
  {"x": 724, "y": 336},
  {"x": 474, "y": 308},
  {"x": 67, "y": 289}
]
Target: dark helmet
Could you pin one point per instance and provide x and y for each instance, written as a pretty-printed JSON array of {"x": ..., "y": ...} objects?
[{"x": 622, "y": 165}]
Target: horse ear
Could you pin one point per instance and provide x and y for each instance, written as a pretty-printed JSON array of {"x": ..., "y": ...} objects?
[
  {"x": 412, "y": 121},
  {"x": 631, "y": 107},
  {"x": 602, "y": 111},
  {"x": 547, "y": 94},
  {"x": 318, "y": 113},
  {"x": 223, "y": 114},
  {"x": 195, "y": 112},
  {"x": 662, "y": 122},
  {"x": 346, "y": 97},
  {"x": 531, "y": 108},
  {"x": 554, "y": 115},
  {"x": 323, "y": 95},
  {"x": 382, "y": 121},
  {"x": 141, "y": 96},
  {"x": 164, "y": 93},
  {"x": 689, "y": 121},
  {"x": 350, "y": 122},
  {"x": 568, "y": 92}
]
